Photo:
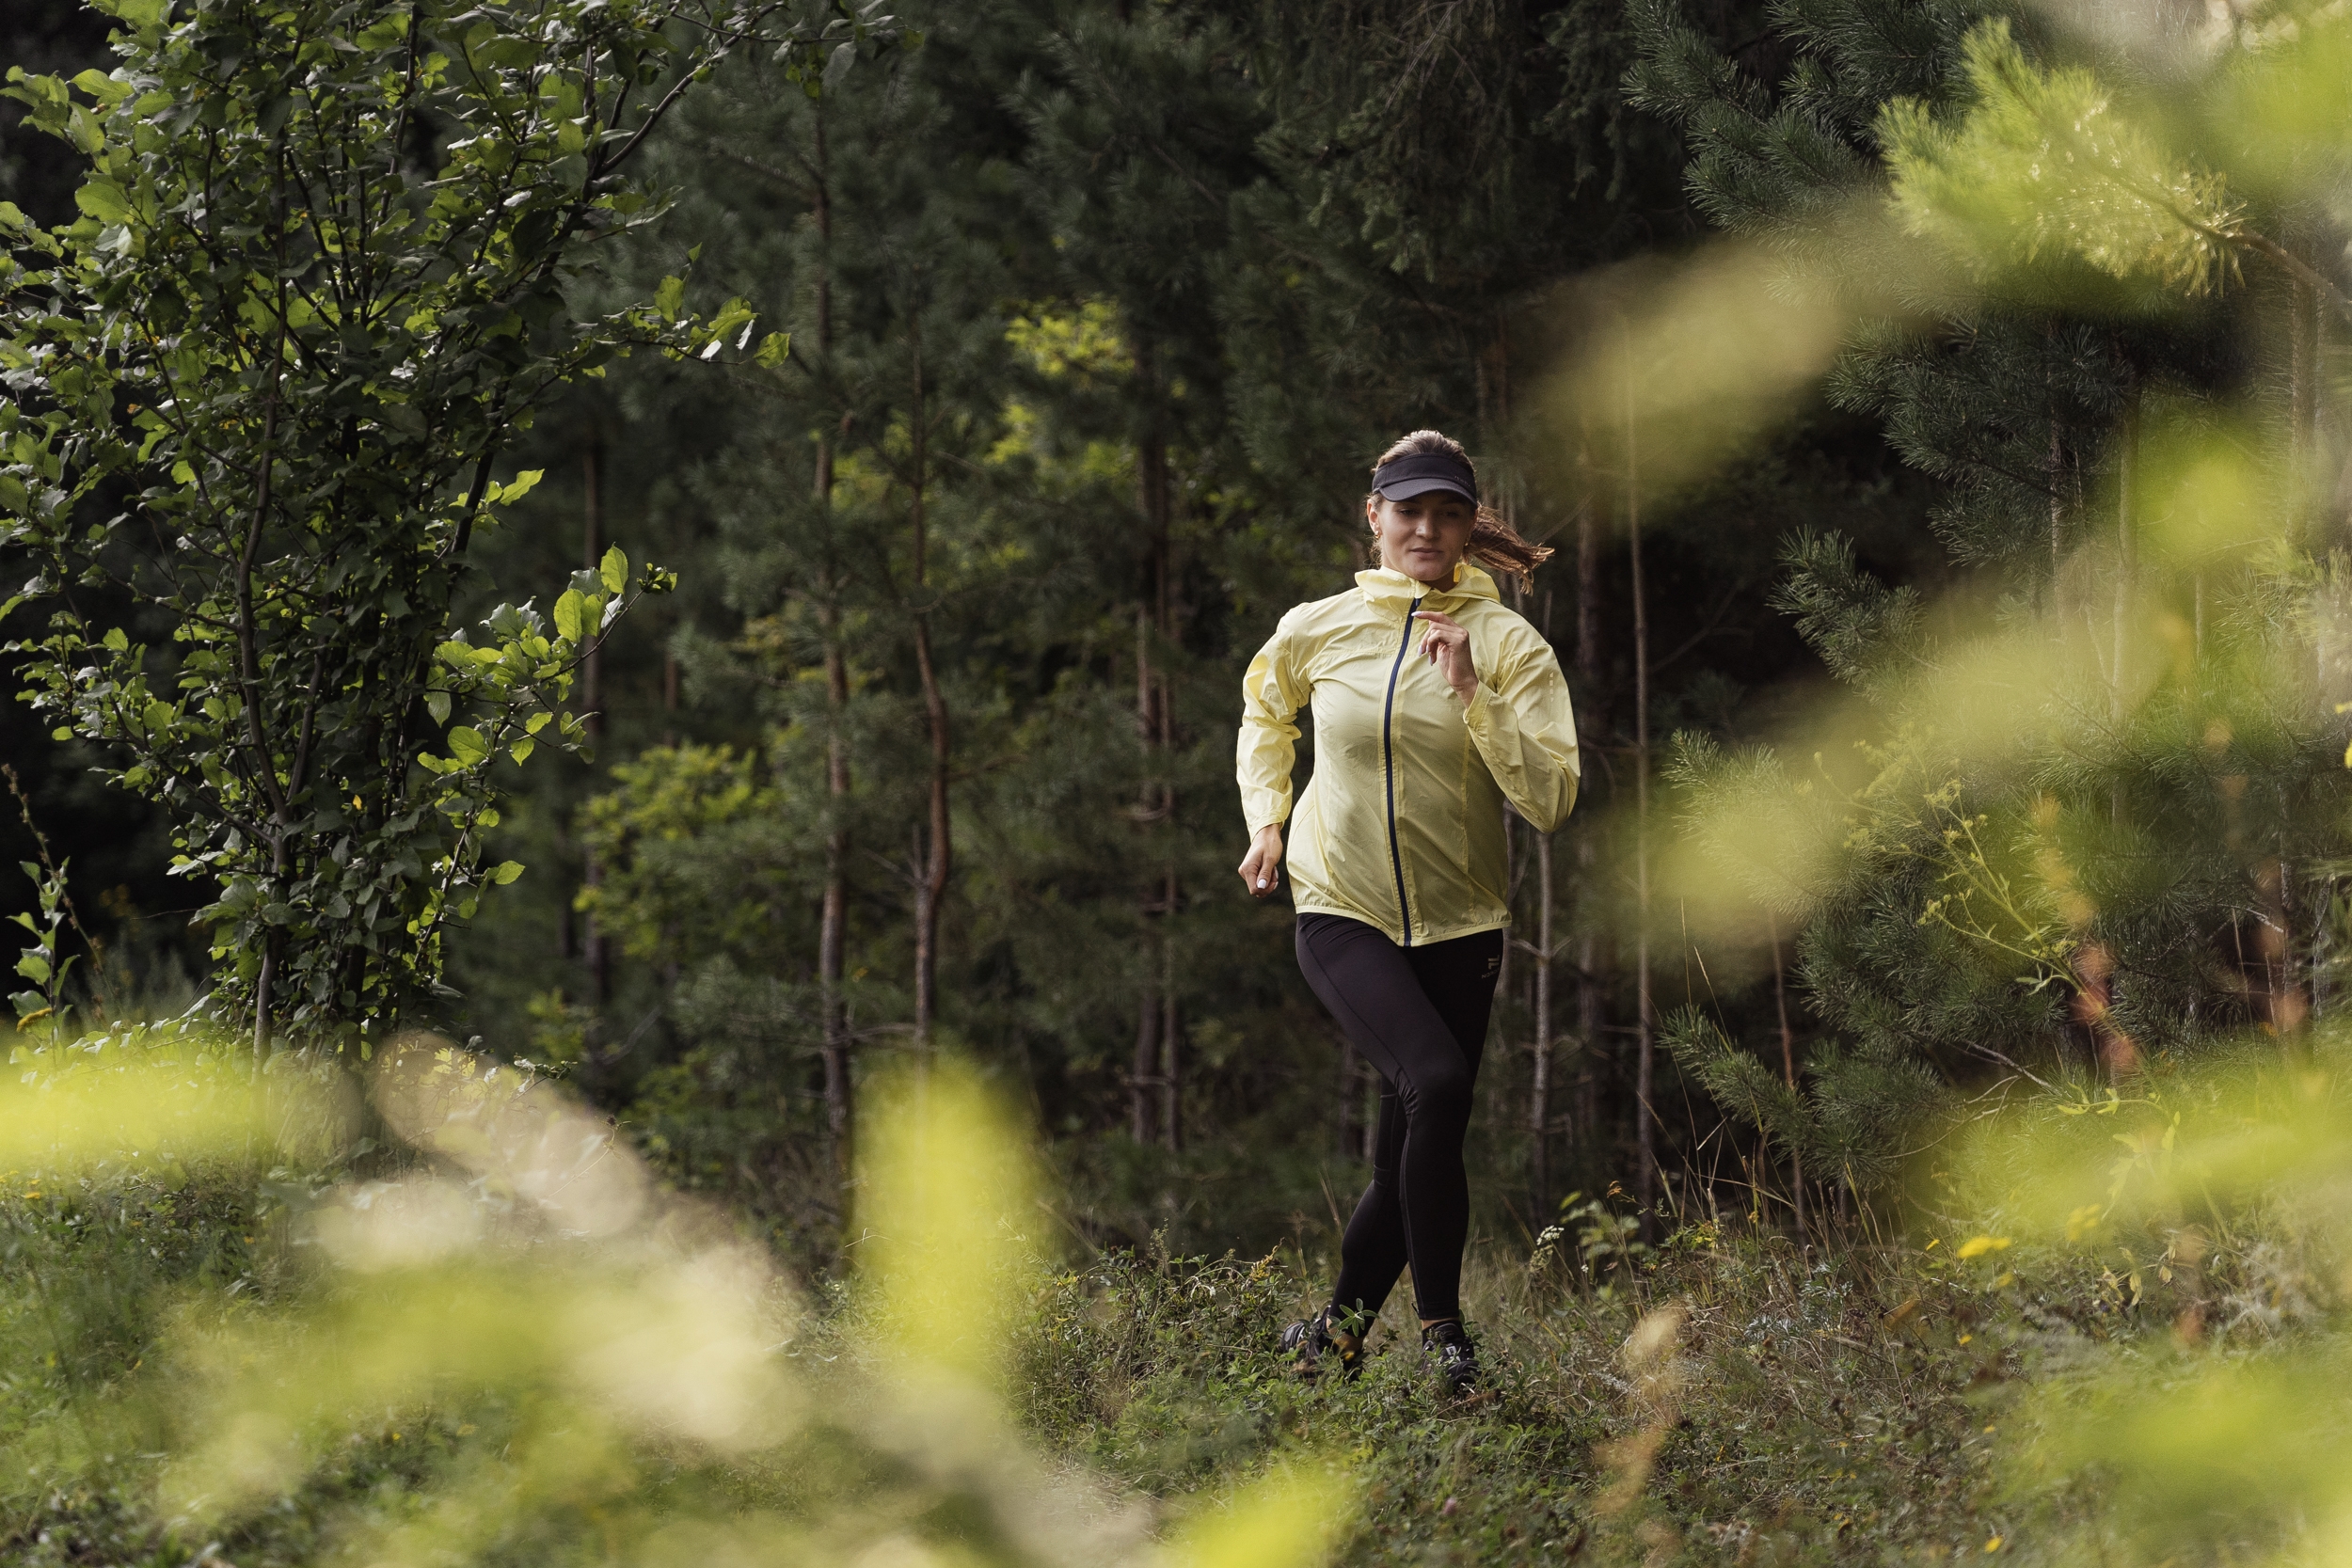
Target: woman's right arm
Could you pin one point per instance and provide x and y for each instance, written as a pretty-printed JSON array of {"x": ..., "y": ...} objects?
[{"x": 1271, "y": 695}]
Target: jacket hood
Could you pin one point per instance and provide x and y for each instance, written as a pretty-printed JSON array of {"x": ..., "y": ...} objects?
[{"x": 1381, "y": 584}]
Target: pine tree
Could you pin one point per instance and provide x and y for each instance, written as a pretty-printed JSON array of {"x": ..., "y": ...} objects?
[
  {"x": 1139, "y": 138},
  {"x": 2064, "y": 851}
]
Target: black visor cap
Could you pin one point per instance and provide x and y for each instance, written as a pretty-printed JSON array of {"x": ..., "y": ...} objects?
[{"x": 1418, "y": 473}]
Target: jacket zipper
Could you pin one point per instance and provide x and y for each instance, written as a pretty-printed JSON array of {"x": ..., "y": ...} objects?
[{"x": 1387, "y": 764}]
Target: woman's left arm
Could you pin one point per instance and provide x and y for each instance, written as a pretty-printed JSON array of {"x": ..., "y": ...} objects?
[{"x": 1520, "y": 720}]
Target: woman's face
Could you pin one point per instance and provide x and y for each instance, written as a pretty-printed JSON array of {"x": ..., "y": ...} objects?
[{"x": 1422, "y": 537}]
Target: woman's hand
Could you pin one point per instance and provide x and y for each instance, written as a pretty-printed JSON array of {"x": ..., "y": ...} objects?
[
  {"x": 1447, "y": 646},
  {"x": 1262, "y": 868}
]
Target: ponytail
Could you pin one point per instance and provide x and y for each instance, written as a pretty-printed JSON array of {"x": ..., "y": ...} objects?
[{"x": 1493, "y": 542}]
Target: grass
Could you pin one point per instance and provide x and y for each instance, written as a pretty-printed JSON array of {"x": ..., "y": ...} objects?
[
  {"x": 1769, "y": 1414},
  {"x": 2136, "y": 1395}
]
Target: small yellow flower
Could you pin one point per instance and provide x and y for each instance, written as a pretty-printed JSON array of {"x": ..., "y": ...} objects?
[{"x": 1977, "y": 1246}]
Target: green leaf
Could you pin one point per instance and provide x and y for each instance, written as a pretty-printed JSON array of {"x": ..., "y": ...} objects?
[
  {"x": 116, "y": 640},
  {"x": 614, "y": 569},
  {"x": 521, "y": 750},
  {"x": 159, "y": 716},
  {"x": 82, "y": 130},
  {"x": 34, "y": 968},
  {"x": 774, "y": 349},
  {"x": 570, "y": 612},
  {"x": 734, "y": 319},
  {"x": 104, "y": 201},
  {"x": 437, "y": 704},
  {"x": 467, "y": 745},
  {"x": 670, "y": 298},
  {"x": 505, "y": 871},
  {"x": 103, "y": 88},
  {"x": 383, "y": 34}
]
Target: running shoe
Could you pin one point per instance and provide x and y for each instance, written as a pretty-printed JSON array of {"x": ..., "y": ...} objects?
[
  {"x": 1308, "y": 1341},
  {"x": 1448, "y": 1345}
]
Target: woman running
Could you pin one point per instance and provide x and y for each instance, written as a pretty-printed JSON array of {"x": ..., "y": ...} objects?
[{"x": 1434, "y": 706}]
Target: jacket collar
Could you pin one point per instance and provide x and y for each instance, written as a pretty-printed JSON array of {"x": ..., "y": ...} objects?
[{"x": 1380, "y": 585}]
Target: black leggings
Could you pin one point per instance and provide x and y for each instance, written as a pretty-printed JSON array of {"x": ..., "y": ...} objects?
[{"x": 1418, "y": 1015}]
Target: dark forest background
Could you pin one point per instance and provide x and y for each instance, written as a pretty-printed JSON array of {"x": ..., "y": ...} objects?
[{"x": 1099, "y": 311}]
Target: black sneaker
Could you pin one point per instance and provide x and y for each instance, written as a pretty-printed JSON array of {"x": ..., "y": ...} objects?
[
  {"x": 1310, "y": 1341},
  {"x": 1448, "y": 1345}
]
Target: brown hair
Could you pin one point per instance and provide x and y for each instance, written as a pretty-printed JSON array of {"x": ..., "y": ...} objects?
[{"x": 1493, "y": 542}]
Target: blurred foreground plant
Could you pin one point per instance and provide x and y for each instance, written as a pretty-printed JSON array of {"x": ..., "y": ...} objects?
[
  {"x": 2084, "y": 808},
  {"x": 496, "y": 1340},
  {"x": 2211, "y": 1206}
]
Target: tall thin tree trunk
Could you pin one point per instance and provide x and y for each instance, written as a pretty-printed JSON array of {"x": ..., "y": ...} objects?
[
  {"x": 1506, "y": 972},
  {"x": 833, "y": 931},
  {"x": 1156, "y": 714},
  {"x": 1646, "y": 1061},
  {"x": 265, "y": 762},
  {"x": 1539, "y": 1089},
  {"x": 932, "y": 887},
  {"x": 2126, "y": 567},
  {"x": 1144, "y": 1071},
  {"x": 2055, "y": 467},
  {"x": 599, "y": 959},
  {"x": 1172, "y": 1037},
  {"x": 1789, "y": 1072},
  {"x": 1592, "y": 1001}
]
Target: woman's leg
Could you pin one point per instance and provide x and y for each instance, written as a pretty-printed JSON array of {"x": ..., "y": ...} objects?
[
  {"x": 1371, "y": 1249},
  {"x": 1459, "y": 977},
  {"x": 1376, "y": 991}
]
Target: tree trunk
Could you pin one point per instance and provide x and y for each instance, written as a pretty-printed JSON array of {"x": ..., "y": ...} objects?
[
  {"x": 1539, "y": 1090},
  {"x": 1504, "y": 972},
  {"x": 1144, "y": 1071},
  {"x": 2126, "y": 566},
  {"x": 1644, "y": 1077},
  {"x": 1789, "y": 1072},
  {"x": 1172, "y": 1037},
  {"x": 832, "y": 933},
  {"x": 932, "y": 886},
  {"x": 1592, "y": 1000},
  {"x": 1156, "y": 717},
  {"x": 2056, "y": 466}
]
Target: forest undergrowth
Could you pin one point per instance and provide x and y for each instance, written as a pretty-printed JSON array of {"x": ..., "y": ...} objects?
[
  {"x": 1737, "y": 1398},
  {"x": 430, "y": 1349}
]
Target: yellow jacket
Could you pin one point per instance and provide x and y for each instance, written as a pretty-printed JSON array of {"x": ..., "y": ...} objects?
[{"x": 1401, "y": 826}]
